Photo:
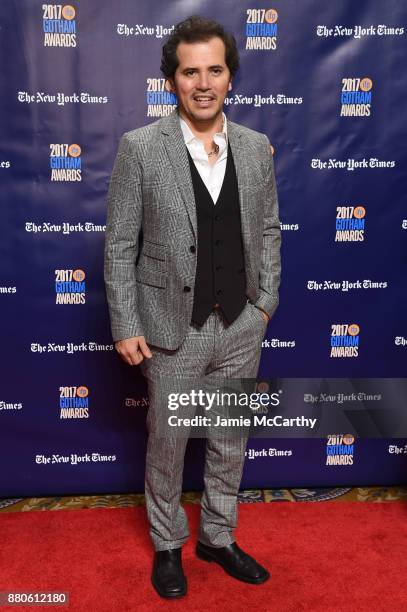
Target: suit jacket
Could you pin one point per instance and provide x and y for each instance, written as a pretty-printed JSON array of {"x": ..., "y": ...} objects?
[{"x": 151, "y": 225}]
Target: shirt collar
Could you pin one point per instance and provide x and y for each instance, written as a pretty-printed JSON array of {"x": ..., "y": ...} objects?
[{"x": 189, "y": 136}]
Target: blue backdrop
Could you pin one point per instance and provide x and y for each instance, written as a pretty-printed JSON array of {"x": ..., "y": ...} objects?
[{"x": 326, "y": 82}]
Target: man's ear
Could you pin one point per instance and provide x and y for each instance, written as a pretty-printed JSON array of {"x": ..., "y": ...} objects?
[
  {"x": 230, "y": 86},
  {"x": 169, "y": 85}
]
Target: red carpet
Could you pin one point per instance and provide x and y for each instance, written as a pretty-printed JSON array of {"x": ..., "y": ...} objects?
[{"x": 323, "y": 556}]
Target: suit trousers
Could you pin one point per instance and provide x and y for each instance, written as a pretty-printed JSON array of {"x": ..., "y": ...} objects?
[{"x": 216, "y": 350}]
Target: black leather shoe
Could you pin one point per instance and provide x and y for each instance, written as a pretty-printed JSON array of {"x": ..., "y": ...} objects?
[
  {"x": 235, "y": 562},
  {"x": 168, "y": 577}
]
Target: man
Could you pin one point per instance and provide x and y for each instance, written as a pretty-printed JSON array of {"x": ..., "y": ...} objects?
[{"x": 192, "y": 272}]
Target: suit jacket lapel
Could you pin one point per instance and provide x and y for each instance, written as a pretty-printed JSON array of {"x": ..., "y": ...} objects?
[
  {"x": 242, "y": 171},
  {"x": 177, "y": 152}
]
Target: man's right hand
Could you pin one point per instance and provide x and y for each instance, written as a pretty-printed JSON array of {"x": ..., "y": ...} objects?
[{"x": 133, "y": 350}]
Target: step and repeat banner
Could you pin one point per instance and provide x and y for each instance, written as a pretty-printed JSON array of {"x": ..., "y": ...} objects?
[{"x": 326, "y": 82}]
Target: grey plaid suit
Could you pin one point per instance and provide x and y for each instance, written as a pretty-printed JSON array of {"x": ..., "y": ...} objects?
[{"x": 151, "y": 224}]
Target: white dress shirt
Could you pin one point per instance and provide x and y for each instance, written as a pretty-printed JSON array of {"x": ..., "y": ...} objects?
[{"x": 211, "y": 174}]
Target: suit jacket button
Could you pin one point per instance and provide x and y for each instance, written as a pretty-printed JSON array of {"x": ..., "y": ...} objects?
[
  {"x": 192, "y": 249},
  {"x": 219, "y": 292},
  {"x": 186, "y": 288}
]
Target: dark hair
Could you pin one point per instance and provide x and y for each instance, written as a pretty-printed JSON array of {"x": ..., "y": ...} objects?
[{"x": 197, "y": 29}]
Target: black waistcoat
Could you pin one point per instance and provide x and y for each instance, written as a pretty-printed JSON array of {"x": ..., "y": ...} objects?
[{"x": 220, "y": 273}]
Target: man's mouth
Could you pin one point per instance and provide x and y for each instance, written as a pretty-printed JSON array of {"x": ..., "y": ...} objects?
[{"x": 203, "y": 98}]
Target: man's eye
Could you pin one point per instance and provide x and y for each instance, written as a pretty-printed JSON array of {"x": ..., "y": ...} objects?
[
  {"x": 189, "y": 72},
  {"x": 217, "y": 70}
]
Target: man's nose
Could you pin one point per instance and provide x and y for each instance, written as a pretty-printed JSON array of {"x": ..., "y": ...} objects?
[{"x": 203, "y": 81}]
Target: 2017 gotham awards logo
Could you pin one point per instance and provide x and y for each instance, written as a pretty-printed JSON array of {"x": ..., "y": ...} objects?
[
  {"x": 160, "y": 102},
  {"x": 356, "y": 97},
  {"x": 350, "y": 223},
  {"x": 70, "y": 287},
  {"x": 59, "y": 25},
  {"x": 74, "y": 402},
  {"x": 261, "y": 29},
  {"x": 344, "y": 340},
  {"x": 65, "y": 162},
  {"x": 340, "y": 449}
]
